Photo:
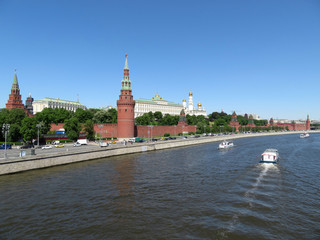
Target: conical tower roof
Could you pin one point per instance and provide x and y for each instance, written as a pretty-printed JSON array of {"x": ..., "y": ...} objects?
[{"x": 15, "y": 84}]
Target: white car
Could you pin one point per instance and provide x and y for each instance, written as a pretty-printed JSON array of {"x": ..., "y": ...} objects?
[
  {"x": 77, "y": 144},
  {"x": 47, "y": 147}
]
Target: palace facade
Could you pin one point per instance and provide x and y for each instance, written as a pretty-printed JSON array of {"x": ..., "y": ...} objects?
[
  {"x": 158, "y": 104},
  {"x": 41, "y": 104}
]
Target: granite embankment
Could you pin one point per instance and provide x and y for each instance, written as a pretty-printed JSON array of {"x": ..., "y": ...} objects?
[{"x": 36, "y": 162}]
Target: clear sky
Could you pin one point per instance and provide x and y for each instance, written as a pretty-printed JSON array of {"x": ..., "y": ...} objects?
[{"x": 256, "y": 57}]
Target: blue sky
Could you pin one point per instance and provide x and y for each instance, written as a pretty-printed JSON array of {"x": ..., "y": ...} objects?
[{"x": 259, "y": 57}]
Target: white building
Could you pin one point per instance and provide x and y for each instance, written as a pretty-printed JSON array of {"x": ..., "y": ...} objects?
[
  {"x": 192, "y": 110},
  {"x": 41, "y": 104},
  {"x": 156, "y": 104}
]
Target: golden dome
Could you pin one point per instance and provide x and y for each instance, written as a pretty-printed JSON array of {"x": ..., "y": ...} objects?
[
  {"x": 157, "y": 95},
  {"x": 199, "y": 104},
  {"x": 184, "y": 100},
  {"x": 190, "y": 93}
]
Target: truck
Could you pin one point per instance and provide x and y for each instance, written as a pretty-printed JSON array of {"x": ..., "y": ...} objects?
[{"x": 83, "y": 141}]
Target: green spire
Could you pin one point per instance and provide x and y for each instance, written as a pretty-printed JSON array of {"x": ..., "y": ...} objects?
[
  {"x": 15, "y": 84},
  {"x": 126, "y": 63},
  {"x": 126, "y": 84}
]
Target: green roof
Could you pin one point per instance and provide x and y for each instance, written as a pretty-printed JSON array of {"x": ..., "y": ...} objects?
[
  {"x": 15, "y": 84},
  {"x": 60, "y": 101},
  {"x": 154, "y": 101}
]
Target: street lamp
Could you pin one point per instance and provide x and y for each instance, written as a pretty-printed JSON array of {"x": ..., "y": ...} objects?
[
  {"x": 150, "y": 126},
  {"x": 39, "y": 125},
  {"x": 100, "y": 127},
  {"x": 5, "y": 130}
]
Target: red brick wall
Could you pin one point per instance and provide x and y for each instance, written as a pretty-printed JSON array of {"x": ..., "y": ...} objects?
[
  {"x": 55, "y": 127},
  {"x": 157, "y": 131},
  {"x": 107, "y": 129},
  {"x": 293, "y": 126}
]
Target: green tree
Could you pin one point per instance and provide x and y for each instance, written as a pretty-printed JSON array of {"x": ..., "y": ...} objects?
[
  {"x": 114, "y": 115},
  {"x": 143, "y": 120},
  {"x": 158, "y": 116},
  {"x": 83, "y": 115},
  {"x": 28, "y": 129},
  {"x": 16, "y": 116},
  {"x": 14, "y": 133},
  {"x": 72, "y": 127},
  {"x": 61, "y": 115},
  {"x": 89, "y": 129}
]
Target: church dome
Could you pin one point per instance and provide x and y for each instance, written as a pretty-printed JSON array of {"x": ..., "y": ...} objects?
[
  {"x": 184, "y": 100},
  {"x": 157, "y": 95},
  {"x": 199, "y": 104},
  {"x": 190, "y": 93}
]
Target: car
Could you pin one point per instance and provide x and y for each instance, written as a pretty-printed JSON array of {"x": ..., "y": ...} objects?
[
  {"x": 184, "y": 137},
  {"x": 103, "y": 144},
  {"x": 77, "y": 144},
  {"x": 154, "y": 140},
  {"x": 196, "y": 136},
  {"x": 172, "y": 138},
  {"x": 7, "y": 146},
  {"x": 162, "y": 139},
  {"x": 46, "y": 147},
  {"x": 59, "y": 145}
]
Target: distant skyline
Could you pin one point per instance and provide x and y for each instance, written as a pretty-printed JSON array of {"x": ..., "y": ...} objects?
[{"x": 255, "y": 57}]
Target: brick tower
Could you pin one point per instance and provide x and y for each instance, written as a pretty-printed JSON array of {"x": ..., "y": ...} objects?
[
  {"x": 15, "y": 97},
  {"x": 308, "y": 123},
  {"x": 234, "y": 121},
  {"x": 125, "y": 106}
]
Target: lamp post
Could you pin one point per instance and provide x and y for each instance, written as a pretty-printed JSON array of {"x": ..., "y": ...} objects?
[
  {"x": 5, "y": 130},
  {"x": 175, "y": 130},
  {"x": 100, "y": 127},
  {"x": 150, "y": 126},
  {"x": 39, "y": 125}
]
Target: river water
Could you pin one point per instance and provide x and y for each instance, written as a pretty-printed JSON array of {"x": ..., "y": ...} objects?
[{"x": 195, "y": 192}]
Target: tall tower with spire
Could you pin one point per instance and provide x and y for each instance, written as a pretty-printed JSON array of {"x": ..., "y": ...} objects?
[
  {"x": 308, "y": 123},
  {"x": 15, "y": 96},
  {"x": 125, "y": 106},
  {"x": 190, "y": 102}
]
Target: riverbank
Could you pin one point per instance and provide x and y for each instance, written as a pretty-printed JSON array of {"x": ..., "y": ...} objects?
[{"x": 32, "y": 162}]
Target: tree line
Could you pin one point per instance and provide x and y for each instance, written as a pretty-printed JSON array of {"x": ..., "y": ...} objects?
[{"x": 25, "y": 128}]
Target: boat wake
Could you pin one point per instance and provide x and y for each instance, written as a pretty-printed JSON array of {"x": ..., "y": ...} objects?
[
  {"x": 250, "y": 195},
  {"x": 265, "y": 167}
]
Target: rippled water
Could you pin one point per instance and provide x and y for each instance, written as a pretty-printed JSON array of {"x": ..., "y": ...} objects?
[{"x": 194, "y": 192}]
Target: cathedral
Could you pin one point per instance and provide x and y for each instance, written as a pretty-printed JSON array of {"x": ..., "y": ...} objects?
[{"x": 192, "y": 110}]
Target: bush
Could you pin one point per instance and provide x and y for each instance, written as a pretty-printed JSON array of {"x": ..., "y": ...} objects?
[
  {"x": 166, "y": 135},
  {"x": 179, "y": 134},
  {"x": 191, "y": 133}
]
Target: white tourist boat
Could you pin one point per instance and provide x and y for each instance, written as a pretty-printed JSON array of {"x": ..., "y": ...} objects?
[
  {"x": 270, "y": 156},
  {"x": 225, "y": 144},
  {"x": 304, "y": 135}
]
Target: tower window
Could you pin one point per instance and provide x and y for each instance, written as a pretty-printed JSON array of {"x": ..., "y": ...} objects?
[{"x": 126, "y": 110}]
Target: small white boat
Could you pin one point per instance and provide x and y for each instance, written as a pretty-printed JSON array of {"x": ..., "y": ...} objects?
[
  {"x": 270, "y": 156},
  {"x": 304, "y": 135},
  {"x": 225, "y": 144}
]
